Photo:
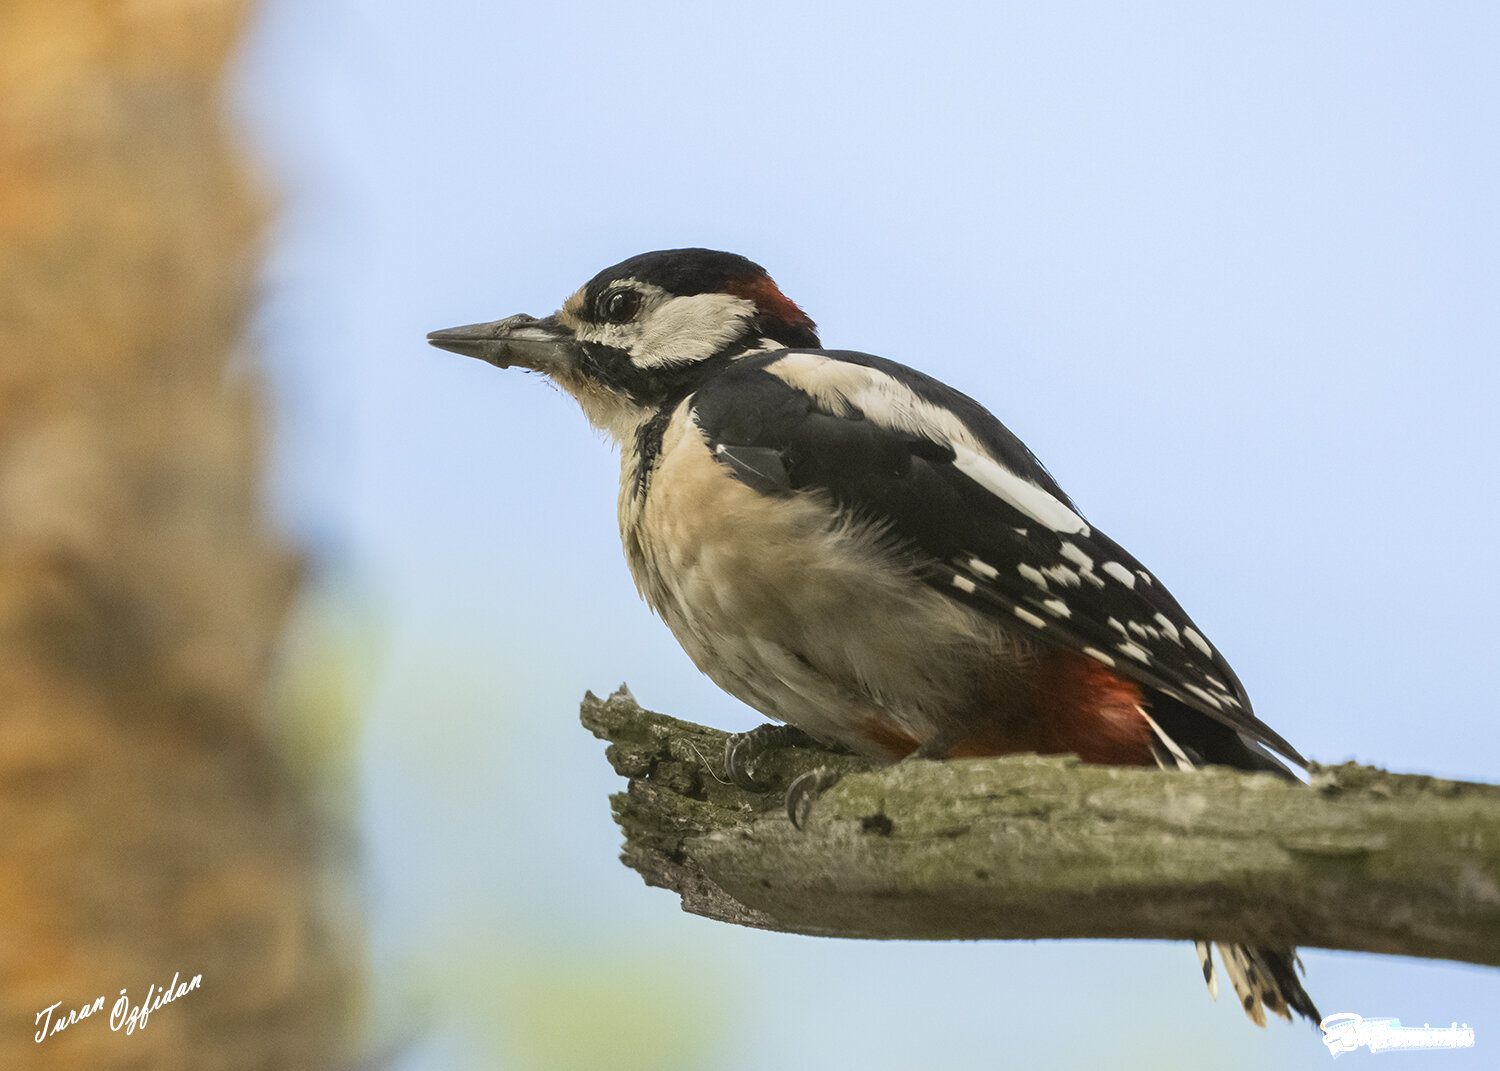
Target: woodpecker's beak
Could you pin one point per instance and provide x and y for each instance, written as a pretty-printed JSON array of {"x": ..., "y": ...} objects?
[{"x": 541, "y": 345}]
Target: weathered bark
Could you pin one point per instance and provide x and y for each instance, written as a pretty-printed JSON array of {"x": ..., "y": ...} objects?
[
  {"x": 147, "y": 825},
  {"x": 1033, "y": 847}
]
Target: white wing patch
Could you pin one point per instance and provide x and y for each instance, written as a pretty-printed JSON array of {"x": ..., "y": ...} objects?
[
  {"x": 983, "y": 569},
  {"x": 1068, "y": 591},
  {"x": 1030, "y": 618},
  {"x": 1172, "y": 757},
  {"x": 1061, "y": 574},
  {"x": 1119, "y": 572},
  {"x": 1085, "y": 564},
  {"x": 1057, "y": 608},
  {"x": 1021, "y": 493},
  {"x": 1032, "y": 574},
  {"x": 1207, "y": 696},
  {"x": 841, "y": 387},
  {"x": 1076, "y": 556}
]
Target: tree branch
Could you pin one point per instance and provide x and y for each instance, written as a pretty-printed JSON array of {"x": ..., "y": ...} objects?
[{"x": 1047, "y": 847}]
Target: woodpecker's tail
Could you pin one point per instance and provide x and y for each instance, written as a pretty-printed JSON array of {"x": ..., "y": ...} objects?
[{"x": 1264, "y": 979}]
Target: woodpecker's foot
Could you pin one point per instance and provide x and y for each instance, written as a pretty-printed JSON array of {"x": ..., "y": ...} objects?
[
  {"x": 804, "y": 791},
  {"x": 742, "y": 750}
]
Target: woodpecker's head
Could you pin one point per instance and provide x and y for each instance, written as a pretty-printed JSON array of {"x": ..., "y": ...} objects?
[{"x": 643, "y": 333}]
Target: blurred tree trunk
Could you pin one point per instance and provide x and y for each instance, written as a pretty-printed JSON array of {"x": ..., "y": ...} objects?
[{"x": 147, "y": 824}]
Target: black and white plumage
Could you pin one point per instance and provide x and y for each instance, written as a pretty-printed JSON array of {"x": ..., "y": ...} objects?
[
  {"x": 858, "y": 549},
  {"x": 989, "y": 524}
]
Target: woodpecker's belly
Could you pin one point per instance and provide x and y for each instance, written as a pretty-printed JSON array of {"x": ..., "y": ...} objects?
[{"x": 808, "y": 618}]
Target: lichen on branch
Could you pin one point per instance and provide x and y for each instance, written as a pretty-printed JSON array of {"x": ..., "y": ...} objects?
[{"x": 1047, "y": 847}]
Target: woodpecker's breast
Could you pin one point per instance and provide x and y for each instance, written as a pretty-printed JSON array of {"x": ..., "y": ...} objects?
[{"x": 805, "y": 613}]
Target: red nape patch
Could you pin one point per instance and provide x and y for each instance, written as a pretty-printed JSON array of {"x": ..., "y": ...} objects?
[
  {"x": 1077, "y": 706},
  {"x": 770, "y": 300}
]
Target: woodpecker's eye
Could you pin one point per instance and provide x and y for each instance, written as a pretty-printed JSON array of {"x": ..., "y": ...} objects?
[{"x": 620, "y": 306}]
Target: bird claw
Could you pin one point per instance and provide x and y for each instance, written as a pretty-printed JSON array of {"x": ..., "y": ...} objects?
[
  {"x": 742, "y": 750},
  {"x": 805, "y": 789}
]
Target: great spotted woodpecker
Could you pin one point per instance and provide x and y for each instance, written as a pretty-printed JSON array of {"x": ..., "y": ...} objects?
[{"x": 858, "y": 550}]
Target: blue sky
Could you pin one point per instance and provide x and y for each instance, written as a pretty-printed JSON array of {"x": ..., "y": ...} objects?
[{"x": 1230, "y": 270}]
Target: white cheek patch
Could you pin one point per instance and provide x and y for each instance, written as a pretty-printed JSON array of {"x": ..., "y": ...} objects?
[
  {"x": 668, "y": 330},
  {"x": 681, "y": 330},
  {"x": 841, "y": 387}
]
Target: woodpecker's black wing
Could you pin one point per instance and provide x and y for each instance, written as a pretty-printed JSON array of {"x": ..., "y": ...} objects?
[{"x": 983, "y": 520}]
